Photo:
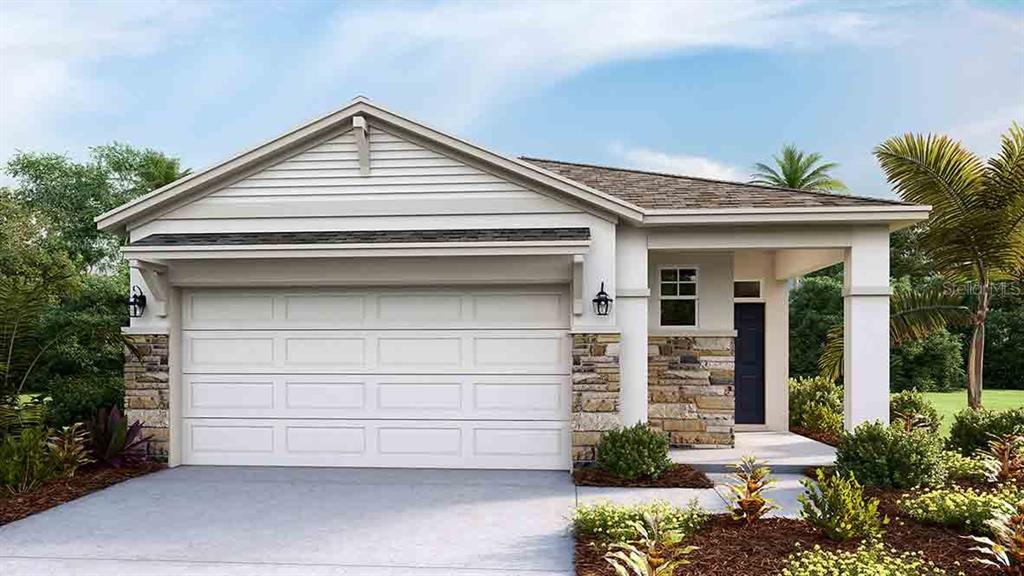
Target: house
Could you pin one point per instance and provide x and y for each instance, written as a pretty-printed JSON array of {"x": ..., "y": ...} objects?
[{"x": 368, "y": 291}]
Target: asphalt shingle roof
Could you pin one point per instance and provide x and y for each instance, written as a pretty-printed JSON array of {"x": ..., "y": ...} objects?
[
  {"x": 657, "y": 191},
  {"x": 366, "y": 237}
]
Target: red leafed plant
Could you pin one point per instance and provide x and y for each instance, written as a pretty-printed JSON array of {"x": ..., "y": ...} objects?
[{"x": 113, "y": 441}]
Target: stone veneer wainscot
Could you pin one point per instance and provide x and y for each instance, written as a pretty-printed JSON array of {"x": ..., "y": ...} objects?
[
  {"x": 595, "y": 391},
  {"x": 147, "y": 389},
  {"x": 690, "y": 387}
]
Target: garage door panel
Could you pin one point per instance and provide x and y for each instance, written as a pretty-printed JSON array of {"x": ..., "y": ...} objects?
[
  {"x": 371, "y": 443},
  {"x": 337, "y": 352},
  {"x": 543, "y": 307},
  {"x": 229, "y": 351},
  {"x": 393, "y": 396}
]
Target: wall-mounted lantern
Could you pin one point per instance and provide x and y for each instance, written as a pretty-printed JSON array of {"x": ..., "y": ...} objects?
[
  {"x": 137, "y": 303},
  {"x": 602, "y": 303}
]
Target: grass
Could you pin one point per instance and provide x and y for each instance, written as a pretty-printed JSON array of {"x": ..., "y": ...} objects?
[{"x": 949, "y": 403}]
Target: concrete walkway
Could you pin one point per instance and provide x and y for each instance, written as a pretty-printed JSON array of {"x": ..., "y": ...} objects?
[
  {"x": 325, "y": 521},
  {"x": 784, "y": 452}
]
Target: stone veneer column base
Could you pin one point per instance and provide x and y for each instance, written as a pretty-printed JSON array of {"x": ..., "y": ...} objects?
[
  {"x": 595, "y": 392},
  {"x": 147, "y": 390},
  {"x": 690, "y": 387}
]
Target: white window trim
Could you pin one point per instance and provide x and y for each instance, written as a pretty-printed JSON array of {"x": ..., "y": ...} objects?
[
  {"x": 760, "y": 289},
  {"x": 695, "y": 297}
]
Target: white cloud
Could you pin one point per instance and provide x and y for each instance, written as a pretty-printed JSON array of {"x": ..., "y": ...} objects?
[
  {"x": 48, "y": 49},
  {"x": 489, "y": 51},
  {"x": 683, "y": 164}
]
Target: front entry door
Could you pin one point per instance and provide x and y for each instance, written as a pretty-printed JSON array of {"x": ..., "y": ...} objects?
[{"x": 750, "y": 363}]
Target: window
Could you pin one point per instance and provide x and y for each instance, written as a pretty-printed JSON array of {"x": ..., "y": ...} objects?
[
  {"x": 677, "y": 290},
  {"x": 746, "y": 289}
]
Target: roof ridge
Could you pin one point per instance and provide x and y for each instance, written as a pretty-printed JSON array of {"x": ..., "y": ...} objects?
[{"x": 719, "y": 181}]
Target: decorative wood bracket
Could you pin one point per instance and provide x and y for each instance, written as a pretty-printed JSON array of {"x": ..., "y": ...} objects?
[
  {"x": 362, "y": 143},
  {"x": 577, "y": 285},
  {"x": 157, "y": 284}
]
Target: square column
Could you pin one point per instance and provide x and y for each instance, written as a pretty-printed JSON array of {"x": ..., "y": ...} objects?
[
  {"x": 866, "y": 327},
  {"x": 631, "y": 313}
]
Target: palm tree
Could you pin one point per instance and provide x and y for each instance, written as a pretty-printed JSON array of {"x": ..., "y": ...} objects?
[
  {"x": 799, "y": 170},
  {"x": 913, "y": 315},
  {"x": 975, "y": 234}
]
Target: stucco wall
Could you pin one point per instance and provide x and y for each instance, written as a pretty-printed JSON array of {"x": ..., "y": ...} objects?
[{"x": 714, "y": 290}]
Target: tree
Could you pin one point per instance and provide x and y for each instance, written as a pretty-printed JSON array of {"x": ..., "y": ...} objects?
[
  {"x": 798, "y": 170},
  {"x": 975, "y": 235},
  {"x": 65, "y": 195},
  {"x": 815, "y": 307}
]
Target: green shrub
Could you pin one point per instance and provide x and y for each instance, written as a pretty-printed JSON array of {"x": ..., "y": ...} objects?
[
  {"x": 890, "y": 457},
  {"x": 836, "y": 505},
  {"x": 965, "y": 509},
  {"x": 972, "y": 430},
  {"x": 867, "y": 560},
  {"x": 617, "y": 522},
  {"x": 25, "y": 460},
  {"x": 960, "y": 467},
  {"x": 78, "y": 399},
  {"x": 816, "y": 404},
  {"x": 932, "y": 364},
  {"x": 911, "y": 404},
  {"x": 633, "y": 452}
]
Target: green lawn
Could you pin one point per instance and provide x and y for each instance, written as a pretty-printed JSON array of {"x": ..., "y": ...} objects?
[{"x": 949, "y": 403}]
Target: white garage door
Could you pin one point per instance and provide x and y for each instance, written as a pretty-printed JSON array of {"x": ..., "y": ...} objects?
[{"x": 447, "y": 378}]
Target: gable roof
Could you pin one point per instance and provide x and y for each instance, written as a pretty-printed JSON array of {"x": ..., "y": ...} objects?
[
  {"x": 659, "y": 191},
  {"x": 290, "y": 143}
]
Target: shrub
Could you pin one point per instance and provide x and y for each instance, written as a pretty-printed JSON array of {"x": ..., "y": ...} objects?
[
  {"x": 960, "y": 467},
  {"x": 747, "y": 498},
  {"x": 655, "y": 553},
  {"x": 636, "y": 451},
  {"x": 966, "y": 509},
  {"x": 911, "y": 405},
  {"x": 932, "y": 364},
  {"x": 615, "y": 522},
  {"x": 890, "y": 457},
  {"x": 973, "y": 429},
  {"x": 1005, "y": 550},
  {"x": 816, "y": 404},
  {"x": 113, "y": 441},
  {"x": 836, "y": 505},
  {"x": 25, "y": 460},
  {"x": 78, "y": 399},
  {"x": 867, "y": 560}
]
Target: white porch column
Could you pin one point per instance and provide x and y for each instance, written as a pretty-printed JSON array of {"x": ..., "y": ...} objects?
[
  {"x": 631, "y": 295},
  {"x": 866, "y": 327}
]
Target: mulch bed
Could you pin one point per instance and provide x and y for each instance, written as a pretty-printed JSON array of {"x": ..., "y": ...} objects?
[
  {"x": 727, "y": 547},
  {"x": 87, "y": 480},
  {"x": 823, "y": 437},
  {"x": 677, "y": 476}
]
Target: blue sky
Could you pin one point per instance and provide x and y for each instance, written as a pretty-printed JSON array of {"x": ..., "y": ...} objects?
[{"x": 703, "y": 88}]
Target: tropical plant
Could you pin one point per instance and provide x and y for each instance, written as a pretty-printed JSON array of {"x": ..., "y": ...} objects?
[
  {"x": 913, "y": 315},
  {"x": 25, "y": 460},
  {"x": 891, "y": 457},
  {"x": 836, "y": 504},
  {"x": 616, "y": 522},
  {"x": 747, "y": 498},
  {"x": 633, "y": 452},
  {"x": 656, "y": 552},
  {"x": 799, "y": 170},
  {"x": 1004, "y": 458},
  {"x": 975, "y": 234},
  {"x": 69, "y": 448},
  {"x": 113, "y": 441},
  {"x": 1005, "y": 550}
]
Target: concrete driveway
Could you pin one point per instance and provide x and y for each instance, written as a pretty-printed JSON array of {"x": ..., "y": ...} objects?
[{"x": 288, "y": 521}]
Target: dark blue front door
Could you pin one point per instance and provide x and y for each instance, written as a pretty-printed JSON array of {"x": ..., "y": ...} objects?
[{"x": 750, "y": 363}]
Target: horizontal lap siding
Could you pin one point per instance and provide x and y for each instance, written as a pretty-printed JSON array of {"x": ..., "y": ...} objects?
[{"x": 405, "y": 180}]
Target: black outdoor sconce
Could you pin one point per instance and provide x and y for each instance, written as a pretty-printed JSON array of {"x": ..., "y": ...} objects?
[
  {"x": 602, "y": 303},
  {"x": 137, "y": 303}
]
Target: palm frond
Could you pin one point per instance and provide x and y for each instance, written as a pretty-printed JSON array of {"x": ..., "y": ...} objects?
[{"x": 799, "y": 170}]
